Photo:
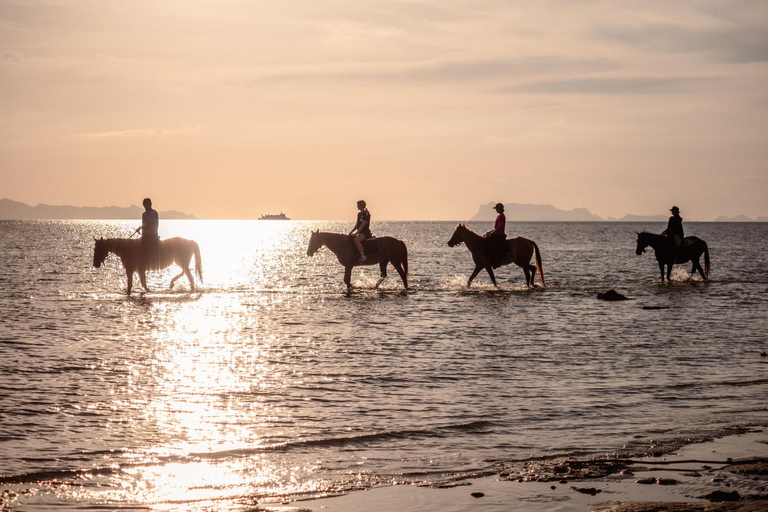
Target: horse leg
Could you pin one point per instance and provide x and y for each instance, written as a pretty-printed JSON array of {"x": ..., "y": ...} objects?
[
  {"x": 143, "y": 278},
  {"x": 173, "y": 281},
  {"x": 129, "y": 275},
  {"x": 383, "y": 270},
  {"x": 661, "y": 269},
  {"x": 191, "y": 279},
  {"x": 697, "y": 266},
  {"x": 477, "y": 270},
  {"x": 490, "y": 273},
  {"x": 669, "y": 272},
  {"x": 400, "y": 270},
  {"x": 528, "y": 280},
  {"x": 532, "y": 268},
  {"x": 348, "y": 277}
]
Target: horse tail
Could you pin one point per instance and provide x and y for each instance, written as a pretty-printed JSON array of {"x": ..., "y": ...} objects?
[
  {"x": 198, "y": 262},
  {"x": 538, "y": 263},
  {"x": 404, "y": 263},
  {"x": 706, "y": 259}
]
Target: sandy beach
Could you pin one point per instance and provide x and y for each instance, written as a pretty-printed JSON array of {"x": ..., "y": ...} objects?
[{"x": 676, "y": 481}]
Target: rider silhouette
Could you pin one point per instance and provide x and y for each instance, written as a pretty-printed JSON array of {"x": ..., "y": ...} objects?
[
  {"x": 362, "y": 229},
  {"x": 675, "y": 228},
  {"x": 150, "y": 241},
  {"x": 496, "y": 239}
]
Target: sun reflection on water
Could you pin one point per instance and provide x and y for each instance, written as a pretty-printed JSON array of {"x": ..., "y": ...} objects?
[{"x": 205, "y": 387}]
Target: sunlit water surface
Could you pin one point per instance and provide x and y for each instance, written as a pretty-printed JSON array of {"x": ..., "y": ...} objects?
[{"x": 272, "y": 384}]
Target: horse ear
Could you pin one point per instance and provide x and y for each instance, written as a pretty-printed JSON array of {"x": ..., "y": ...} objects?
[
  {"x": 102, "y": 238},
  {"x": 94, "y": 239}
]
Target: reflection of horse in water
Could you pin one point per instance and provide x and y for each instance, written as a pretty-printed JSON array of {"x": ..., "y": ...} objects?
[
  {"x": 173, "y": 250},
  {"x": 691, "y": 250},
  {"x": 386, "y": 250},
  {"x": 520, "y": 252}
]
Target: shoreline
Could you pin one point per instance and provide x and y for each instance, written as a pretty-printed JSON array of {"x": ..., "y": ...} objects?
[{"x": 679, "y": 481}]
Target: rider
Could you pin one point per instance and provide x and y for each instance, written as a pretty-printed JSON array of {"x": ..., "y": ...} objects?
[
  {"x": 149, "y": 239},
  {"x": 362, "y": 229},
  {"x": 675, "y": 228},
  {"x": 496, "y": 238}
]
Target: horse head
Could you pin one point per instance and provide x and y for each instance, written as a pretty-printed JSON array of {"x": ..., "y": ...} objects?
[
  {"x": 458, "y": 235},
  {"x": 315, "y": 242},
  {"x": 99, "y": 252},
  {"x": 642, "y": 243}
]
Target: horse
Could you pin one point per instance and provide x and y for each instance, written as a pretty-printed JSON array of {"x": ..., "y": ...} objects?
[
  {"x": 520, "y": 252},
  {"x": 390, "y": 250},
  {"x": 174, "y": 250},
  {"x": 666, "y": 253}
]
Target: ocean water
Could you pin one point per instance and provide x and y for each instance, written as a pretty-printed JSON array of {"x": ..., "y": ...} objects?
[{"x": 272, "y": 384}]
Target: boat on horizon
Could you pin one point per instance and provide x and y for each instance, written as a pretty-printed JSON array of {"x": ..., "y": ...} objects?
[{"x": 269, "y": 216}]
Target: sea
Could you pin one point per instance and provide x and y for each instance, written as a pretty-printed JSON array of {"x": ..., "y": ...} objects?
[{"x": 272, "y": 384}]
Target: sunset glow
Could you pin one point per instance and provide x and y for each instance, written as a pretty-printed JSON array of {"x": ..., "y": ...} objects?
[{"x": 234, "y": 109}]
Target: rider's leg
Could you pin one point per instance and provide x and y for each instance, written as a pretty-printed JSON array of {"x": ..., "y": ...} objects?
[{"x": 359, "y": 243}]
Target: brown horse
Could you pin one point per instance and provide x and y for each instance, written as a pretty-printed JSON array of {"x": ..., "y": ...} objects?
[
  {"x": 666, "y": 254},
  {"x": 390, "y": 250},
  {"x": 173, "y": 250},
  {"x": 520, "y": 252}
]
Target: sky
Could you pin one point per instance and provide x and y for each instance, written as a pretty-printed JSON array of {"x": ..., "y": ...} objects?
[{"x": 425, "y": 109}]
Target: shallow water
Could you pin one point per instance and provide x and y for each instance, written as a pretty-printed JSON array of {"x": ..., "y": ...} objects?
[{"x": 271, "y": 383}]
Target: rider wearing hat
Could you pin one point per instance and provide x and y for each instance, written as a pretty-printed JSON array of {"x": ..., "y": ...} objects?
[
  {"x": 675, "y": 227},
  {"x": 497, "y": 238}
]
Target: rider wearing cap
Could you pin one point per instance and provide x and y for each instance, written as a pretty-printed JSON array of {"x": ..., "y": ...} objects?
[
  {"x": 497, "y": 238},
  {"x": 675, "y": 227}
]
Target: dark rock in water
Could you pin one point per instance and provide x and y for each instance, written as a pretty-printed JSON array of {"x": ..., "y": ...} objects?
[
  {"x": 584, "y": 490},
  {"x": 764, "y": 354},
  {"x": 646, "y": 481},
  {"x": 720, "y": 496},
  {"x": 477, "y": 494},
  {"x": 611, "y": 295},
  {"x": 666, "y": 481}
]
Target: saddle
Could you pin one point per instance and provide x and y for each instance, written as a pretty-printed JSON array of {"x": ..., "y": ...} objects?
[
  {"x": 496, "y": 249},
  {"x": 370, "y": 246}
]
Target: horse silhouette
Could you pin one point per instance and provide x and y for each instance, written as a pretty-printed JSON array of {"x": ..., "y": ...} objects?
[
  {"x": 520, "y": 252},
  {"x": 666, "y": 254},
  {"x": 390, "y": 250},
  {"x": 174, "y": 250}
]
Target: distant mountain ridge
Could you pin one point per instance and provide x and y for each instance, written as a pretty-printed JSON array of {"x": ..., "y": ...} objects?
[
  {"x": 547, "y": 212},
  {"x": 14, "y": 210}
]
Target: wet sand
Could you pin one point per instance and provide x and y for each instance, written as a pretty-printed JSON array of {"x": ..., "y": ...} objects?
[{"x": 733, "y": 467}]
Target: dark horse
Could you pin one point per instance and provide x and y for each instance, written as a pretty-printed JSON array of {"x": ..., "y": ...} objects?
[
  {"x": 520, "y": 252},
  {"x": 391, "y": 250},
  {"x": 666, "y": 254},
  {"x": 173, "y": 250}
]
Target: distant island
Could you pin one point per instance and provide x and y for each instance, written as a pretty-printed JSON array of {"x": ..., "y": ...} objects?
[
  {"x": 14, "y": 210},
  {"x": 547, "y": 212}
]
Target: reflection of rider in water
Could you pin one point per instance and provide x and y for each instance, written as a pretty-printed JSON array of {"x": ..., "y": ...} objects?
[
  {"x": 675, "y": 227},
  {"x": 497, "y": 238},
  {"x": 362, "y": 229},
  {"x": 149, "y": 239}
]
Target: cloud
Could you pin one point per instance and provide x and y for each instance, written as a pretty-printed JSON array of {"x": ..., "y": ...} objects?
[
  {"x": 142, "y": 132},
  {"x": 460, "y": 71},
  {"x": 609, "y": 86},
  {"x": 726, "y": 44}
]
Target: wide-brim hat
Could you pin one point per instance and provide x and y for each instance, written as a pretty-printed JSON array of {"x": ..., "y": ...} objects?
[{"x": 674, "y": 209}]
